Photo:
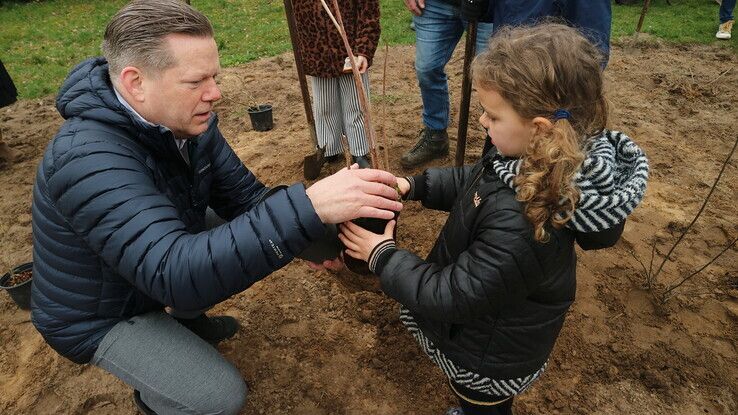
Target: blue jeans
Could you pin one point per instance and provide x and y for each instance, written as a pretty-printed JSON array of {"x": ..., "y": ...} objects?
[
  {"x": 726, "y": 10},
  {"x": 437, "y": 32}
]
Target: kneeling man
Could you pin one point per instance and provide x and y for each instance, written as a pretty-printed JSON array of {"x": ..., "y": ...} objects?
[{"x": 119, "y": 215}]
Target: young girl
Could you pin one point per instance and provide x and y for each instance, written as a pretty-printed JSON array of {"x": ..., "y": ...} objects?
[
  {"x": 489, "y": 301},
  {"x": 335, "y": 99}
]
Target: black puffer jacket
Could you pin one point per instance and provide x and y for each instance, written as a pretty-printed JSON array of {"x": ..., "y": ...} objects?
[{"x": 489, "y": 296}]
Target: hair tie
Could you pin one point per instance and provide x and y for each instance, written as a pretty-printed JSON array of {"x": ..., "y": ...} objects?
[{"x": 561, "y": 114}]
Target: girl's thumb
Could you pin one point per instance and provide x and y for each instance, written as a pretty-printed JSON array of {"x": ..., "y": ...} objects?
[{"x": 389, "y": 230}]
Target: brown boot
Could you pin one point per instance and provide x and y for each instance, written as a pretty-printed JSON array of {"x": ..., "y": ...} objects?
[{"x": 432, "y": 144}]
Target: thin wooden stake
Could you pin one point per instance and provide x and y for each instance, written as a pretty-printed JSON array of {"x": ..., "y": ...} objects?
[
  {"x": 646, "y": 3},
  {"x": 466, "y": 87},
  {"x": 346, "y": 151},
  {"x": 384, "y": 145}
]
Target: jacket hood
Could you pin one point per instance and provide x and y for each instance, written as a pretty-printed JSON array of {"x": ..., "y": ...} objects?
[
  {"x": 612, "y": 181},
  {"x": 88, "y": 93}
]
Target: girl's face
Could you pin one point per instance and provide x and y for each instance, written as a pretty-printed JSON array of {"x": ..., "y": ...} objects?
[{"x": 508, "y": 131}]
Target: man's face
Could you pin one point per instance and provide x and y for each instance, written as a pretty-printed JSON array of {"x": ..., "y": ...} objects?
[{"x": 182, "y": 96}]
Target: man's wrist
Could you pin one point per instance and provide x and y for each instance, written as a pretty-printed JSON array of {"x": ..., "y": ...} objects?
[{"x": 312, "y": 201}]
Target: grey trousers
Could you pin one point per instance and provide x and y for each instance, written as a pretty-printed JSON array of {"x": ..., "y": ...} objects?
[
  {"x": 336, "y": 110},
  {"x": 175, "y": 371}
]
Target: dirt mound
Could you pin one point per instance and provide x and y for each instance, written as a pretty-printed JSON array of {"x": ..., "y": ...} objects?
[{"x": 320, "y": 343}]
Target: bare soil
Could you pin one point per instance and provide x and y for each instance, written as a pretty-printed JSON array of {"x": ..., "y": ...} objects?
[{"x": 322, "y": 343}]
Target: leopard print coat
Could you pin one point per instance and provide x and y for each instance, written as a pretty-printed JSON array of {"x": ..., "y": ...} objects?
[{"x": 322, "y": 49}]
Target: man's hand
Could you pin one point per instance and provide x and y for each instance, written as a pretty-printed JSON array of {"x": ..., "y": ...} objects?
[
  {"x": 415, "y": 6},
  {"x": 360, "y": 242},
  {"x": 356, "y": 193}
]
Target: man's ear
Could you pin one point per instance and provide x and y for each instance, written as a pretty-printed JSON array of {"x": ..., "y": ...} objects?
[
  {"x": 541, "y": 125},
  {"x": 131, "y": 80}
]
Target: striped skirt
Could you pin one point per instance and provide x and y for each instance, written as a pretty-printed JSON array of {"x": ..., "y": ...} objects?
[{"x": 461, "y": 376}]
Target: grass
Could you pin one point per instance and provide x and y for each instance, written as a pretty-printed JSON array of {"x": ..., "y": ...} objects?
[
  {"x": 41, "y": 40},
  {"x": 685, "y": 21}
]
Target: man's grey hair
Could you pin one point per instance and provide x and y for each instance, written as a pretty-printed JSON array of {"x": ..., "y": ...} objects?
[{"x": 135, "y": 36}]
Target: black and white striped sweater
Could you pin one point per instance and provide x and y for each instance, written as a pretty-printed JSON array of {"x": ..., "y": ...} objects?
[{"x": 612, "y": 181}]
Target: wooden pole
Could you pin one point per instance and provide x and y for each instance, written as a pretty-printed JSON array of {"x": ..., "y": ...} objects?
[
  {"x": 300, "y": 70},
  {"x": 469, "y": 52},
  {"x": 646, "y": 3},
  {"x": 384, "y": 144}
]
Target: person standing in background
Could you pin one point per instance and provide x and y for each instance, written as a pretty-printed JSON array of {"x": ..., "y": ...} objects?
[
  {"x": 8, "y": 95},
  {"x": 726, "y": 19},
  {"x": 439, "y": 25},
  {"x": 335, "y": 96}
]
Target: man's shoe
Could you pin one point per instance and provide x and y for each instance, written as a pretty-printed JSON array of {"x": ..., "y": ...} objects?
[
  {"x": 362, "y": 161},
  {"x": 432, "y": 144},
  {"x": 142, "y": 408},
  {"x": 454, "y": 411},
  {"x": 211, "y": 329},
  {"x": 724, "y": 30}
]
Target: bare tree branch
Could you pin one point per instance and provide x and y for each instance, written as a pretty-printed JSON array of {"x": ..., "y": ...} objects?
[
  {"x": 712, "y": 189},
  {"x": 665, "y": 296}
]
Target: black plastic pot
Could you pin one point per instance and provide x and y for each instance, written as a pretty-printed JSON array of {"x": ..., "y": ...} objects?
[
  {"x": 20, "y": 293},
  {"x": 261, "y": 117},
  {"x": 374, "y": 225},
  {"x": 327, "y": 248}
]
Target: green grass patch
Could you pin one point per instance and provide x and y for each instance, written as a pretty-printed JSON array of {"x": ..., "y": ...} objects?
[
  {"x": 685, "y": 21},
  {"x": 42, "y": 40}
]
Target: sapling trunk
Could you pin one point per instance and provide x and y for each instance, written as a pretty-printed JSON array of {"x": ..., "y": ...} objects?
[
  {"x": 364, "y": 104},
  {"x": 346, "y": 150},
  {"x": 372, "y": 224}
]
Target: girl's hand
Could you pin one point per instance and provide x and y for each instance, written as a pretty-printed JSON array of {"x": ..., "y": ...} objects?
[
  {"x": 362, "y": 63},
  {"x": 360, "y": 242},
  {"x": 403, "y": 185}
]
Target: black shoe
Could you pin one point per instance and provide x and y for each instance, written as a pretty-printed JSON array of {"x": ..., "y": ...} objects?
[
  {"x": 454, "y": 411},
  {"x": 211, "y": 329},
  {"x": 432, "y": 144},
  {"x": 362, "y": 161},
  {"x": 334, "y": 158},
  {"x": 142, "y": 408}
]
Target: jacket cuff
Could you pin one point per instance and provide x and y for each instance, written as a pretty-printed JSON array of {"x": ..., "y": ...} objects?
[
  {"x": 306, "y": 213},
  {"x": 380, "y": 255},
  {"x": 417, "y": 187}
]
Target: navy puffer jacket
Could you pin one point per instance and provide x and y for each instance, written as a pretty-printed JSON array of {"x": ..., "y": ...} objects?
[{"x": 119, "y": 220}]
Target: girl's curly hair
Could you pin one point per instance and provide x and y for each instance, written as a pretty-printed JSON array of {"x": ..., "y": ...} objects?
[{"x": 538, "y": 70}]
